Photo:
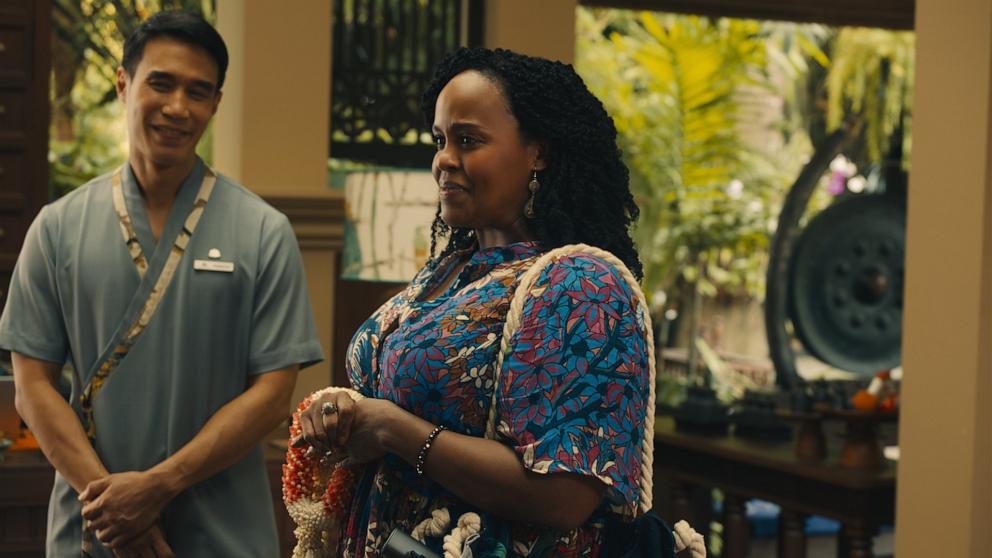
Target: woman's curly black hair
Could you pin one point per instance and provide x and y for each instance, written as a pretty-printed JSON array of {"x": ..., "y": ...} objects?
[{"x": 585, "y": 189}]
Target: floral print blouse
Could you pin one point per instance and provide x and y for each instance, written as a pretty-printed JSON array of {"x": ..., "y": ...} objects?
[{"x": 571, "y": 397}]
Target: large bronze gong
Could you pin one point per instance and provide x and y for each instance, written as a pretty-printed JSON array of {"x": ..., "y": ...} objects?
[
  {"x": 839, "y": 280},
  {"x": 846, "y": 283}
]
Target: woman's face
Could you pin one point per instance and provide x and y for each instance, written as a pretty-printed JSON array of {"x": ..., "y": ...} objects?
[{"x": 482, "y": 165}]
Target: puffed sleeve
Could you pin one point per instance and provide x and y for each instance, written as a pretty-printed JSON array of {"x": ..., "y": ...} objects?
[
  {"x": 574, "y": 386},
  {"x": 32, "y": 323},
  {"x": 283, "y": 331}
]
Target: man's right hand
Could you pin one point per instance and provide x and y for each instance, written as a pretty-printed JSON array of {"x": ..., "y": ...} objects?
[
  {"x": 150, "y": 544},
  {"x": 120, "y": 506}
]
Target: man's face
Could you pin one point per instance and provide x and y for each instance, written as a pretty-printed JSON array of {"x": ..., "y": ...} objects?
[{"x": 169, "y": 101}]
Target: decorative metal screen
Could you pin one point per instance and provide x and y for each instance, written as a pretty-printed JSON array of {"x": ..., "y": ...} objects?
[{"x": 384, "y": 56}]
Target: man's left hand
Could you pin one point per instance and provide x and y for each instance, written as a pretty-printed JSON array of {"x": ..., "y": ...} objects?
[
  {"x": 150, "y": 543},
  {"x": 119, "y": 507}
]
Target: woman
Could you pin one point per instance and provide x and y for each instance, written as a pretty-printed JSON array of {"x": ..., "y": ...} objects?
[{"x": 526, "y": 161}]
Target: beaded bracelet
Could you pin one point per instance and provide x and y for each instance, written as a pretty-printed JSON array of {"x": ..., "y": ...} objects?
[{"x": 422, "y": 454}]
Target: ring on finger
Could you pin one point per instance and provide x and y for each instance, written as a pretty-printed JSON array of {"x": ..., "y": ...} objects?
[{"x": 328, "y": 408}]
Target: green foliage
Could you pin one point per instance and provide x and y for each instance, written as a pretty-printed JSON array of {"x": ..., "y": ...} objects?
[
  {"x": 74, "y": 163},
  {"x": 871, "y": 75},
  {"x": 715, "y": 118},
  {"x": 671, "y": 390},
  {"x": 88, "y": 136},
  {"x": 98, "y": 141},
  {"x": 683, "y": 91}
]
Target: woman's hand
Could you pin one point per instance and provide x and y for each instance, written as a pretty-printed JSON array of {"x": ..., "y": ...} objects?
[
  {"x": 326, "y": 424},
  {"x": 372, "y": 422},
  {"x": 339, "y": 427}
]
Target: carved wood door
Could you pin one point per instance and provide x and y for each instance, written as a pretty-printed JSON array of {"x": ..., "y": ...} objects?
[{"x": 25, "y": 62}]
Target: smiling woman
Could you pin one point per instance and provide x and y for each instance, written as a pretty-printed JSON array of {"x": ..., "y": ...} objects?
[
  {"x": 483, "y": 161},
  {"x": 582, "y": 191},
  {"x": 527, "y": 424}
]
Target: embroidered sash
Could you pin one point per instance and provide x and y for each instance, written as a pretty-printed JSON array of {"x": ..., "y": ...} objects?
[{"x": 125, "y": 337}]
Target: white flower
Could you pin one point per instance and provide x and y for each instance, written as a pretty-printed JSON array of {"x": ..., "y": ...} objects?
[
  {"x": 857, "y": 184},
  {"x": 841, "y": 165},
  {"x": 735, "y": 189}
]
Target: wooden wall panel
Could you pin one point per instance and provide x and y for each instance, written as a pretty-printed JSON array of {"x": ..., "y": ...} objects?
[{"x": 25, "y": 63}]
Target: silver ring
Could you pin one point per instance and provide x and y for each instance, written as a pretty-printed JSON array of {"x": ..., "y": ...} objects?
[{"x": 328, "y": 408}]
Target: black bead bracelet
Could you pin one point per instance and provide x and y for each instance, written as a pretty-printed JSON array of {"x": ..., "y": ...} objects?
[{"x": 422, "y": 454}]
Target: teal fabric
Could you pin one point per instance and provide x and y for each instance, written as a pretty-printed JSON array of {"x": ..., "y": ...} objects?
[{"x": 74, "y": 286}]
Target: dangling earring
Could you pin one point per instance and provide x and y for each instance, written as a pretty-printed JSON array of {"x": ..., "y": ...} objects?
[{"x": 533, "y": 185}]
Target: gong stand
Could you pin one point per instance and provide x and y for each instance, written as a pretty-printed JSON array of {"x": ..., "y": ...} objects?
[
  {"x": 839, "y": 281},
  {"x": 786, "y": 234},
  {"x": 777, "y": 292}
]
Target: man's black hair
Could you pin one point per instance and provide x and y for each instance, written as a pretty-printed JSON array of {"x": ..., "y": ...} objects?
[
  {"x": 182, "y": 26},
  {"x": 585, "y": 189}
]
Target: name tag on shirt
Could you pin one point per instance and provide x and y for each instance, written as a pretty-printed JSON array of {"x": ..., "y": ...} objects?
[{"x": 212, "y": 265}]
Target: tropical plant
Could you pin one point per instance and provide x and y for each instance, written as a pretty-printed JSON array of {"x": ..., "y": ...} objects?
[
  {"x": 676, "y": 87},
  {"x": 716, "y": 118},
  {"x": 871, "y": 76}
]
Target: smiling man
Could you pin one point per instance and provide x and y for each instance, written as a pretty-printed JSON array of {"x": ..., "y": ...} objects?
[{"x": 180, "y": 300}]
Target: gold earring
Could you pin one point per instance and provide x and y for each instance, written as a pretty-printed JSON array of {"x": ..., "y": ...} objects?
[{"x": 533, "y": 185}]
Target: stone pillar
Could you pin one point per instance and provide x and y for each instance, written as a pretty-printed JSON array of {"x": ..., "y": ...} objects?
[
  {"x": 944, "y": 498},
  {"x": 545, "y": 28},
  {"x": 271, "y": 134}
]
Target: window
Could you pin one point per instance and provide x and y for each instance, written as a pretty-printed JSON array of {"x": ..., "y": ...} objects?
[{"x": 384, "y": 56}]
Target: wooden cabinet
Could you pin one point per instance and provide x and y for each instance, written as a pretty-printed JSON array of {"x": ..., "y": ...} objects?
[
  {"x": 26, "y": 481},
  {"x": 689, "y": 466},
  {"x": 25, "y": 63}
]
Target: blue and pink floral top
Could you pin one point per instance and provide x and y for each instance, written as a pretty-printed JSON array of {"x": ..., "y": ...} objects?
[{"x": 571, "y": 397}]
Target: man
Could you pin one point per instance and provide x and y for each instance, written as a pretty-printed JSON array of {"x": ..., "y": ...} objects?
[{"x": 180, "y": 299}]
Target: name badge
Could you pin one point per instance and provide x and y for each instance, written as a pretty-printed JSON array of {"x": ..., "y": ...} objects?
[{"x": 208, "y": 265}]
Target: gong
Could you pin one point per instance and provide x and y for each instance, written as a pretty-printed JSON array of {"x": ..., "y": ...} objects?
[{"x": 845, "y": 288}]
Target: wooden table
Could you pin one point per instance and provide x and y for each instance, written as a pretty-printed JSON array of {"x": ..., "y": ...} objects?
[
  {"x": 26, "y": 481},
  {"x": 25, "y": 484},
  {"x": 688, "y": 466}
]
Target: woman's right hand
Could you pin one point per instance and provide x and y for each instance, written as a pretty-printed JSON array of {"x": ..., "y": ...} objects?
[{"x": 326, "y": 423}]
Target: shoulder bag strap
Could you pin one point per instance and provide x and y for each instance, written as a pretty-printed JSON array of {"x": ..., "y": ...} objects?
[{"x": 513, "y": 318}]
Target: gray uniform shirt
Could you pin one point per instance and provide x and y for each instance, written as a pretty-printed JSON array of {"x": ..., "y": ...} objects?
[{"x": 72, "y": 290}]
